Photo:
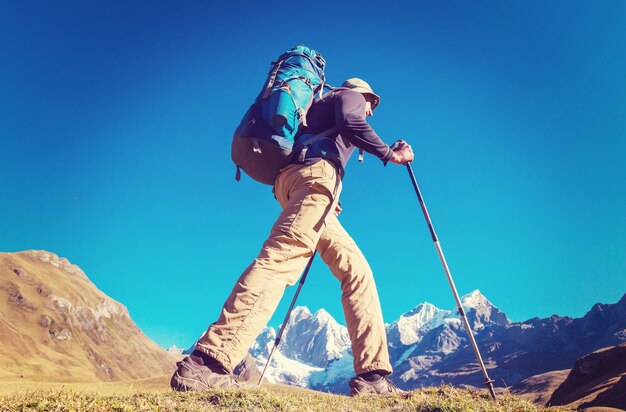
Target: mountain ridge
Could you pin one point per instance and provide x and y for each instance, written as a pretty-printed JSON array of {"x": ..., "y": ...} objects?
[
  {"x": 57, "y": 325},
  {"x": 429, "y": 346}
]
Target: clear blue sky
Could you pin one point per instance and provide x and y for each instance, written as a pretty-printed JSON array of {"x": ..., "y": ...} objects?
[{"x": 116, "y": 120}]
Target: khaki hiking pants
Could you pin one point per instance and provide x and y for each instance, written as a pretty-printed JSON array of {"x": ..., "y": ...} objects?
[{"x": 306, "y": 193}]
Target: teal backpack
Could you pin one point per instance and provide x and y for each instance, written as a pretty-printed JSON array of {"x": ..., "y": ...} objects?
[{"x": 266, "y": 139}]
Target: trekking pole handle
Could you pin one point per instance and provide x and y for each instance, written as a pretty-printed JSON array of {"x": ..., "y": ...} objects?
[{"x": 397, "y": 144}]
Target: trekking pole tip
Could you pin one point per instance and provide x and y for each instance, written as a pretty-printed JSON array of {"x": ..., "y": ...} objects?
[{"x": 489, "y": 384}]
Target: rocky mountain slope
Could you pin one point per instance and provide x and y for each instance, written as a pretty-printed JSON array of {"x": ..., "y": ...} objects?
[
  {"x": 55, "y": 325},
  {"x": 597, "y": 379}
]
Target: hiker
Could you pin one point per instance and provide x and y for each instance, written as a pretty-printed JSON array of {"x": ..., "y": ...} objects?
[{"x": 308, "y": 191}]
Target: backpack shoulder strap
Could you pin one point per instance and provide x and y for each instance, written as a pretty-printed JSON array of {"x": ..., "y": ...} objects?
[
  {"x": 315, "y": 137},
  {"x": 306, "y": 143}
]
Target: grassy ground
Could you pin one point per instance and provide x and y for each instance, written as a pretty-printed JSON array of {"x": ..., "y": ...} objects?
[
  {"x": 444, "y": 399},
  {"x": 156, "y": 384}
]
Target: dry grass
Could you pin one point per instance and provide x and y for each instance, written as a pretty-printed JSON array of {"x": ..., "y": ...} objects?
[
  {"x": 444, "y": 399},
  {"x": 155, "y": 384}
]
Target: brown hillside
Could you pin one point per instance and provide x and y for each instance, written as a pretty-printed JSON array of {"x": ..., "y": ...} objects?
[
  {"x": 539, "y": 388},
  {"x": 55, "y": 325},
  {"x": 597, "y": 380}
]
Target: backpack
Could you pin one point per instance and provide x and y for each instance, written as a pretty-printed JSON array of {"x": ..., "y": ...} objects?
[{"x": 265, "y": 140}]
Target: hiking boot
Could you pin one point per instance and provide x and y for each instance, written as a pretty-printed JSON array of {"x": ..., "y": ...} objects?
[
  {"x": 191, "y": 376},
  {"x": 382, "y": 386}
]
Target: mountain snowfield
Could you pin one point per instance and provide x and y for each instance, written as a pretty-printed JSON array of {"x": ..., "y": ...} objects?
[
  {"x": 429, "y": 346},
  {"x": 315, "y": 350}
]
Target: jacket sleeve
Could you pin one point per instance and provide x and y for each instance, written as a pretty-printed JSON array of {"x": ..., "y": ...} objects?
[{"x": 351, "y": 124}]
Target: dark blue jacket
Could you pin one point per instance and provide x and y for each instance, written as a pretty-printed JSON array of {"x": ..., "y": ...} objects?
[{"x": 344, "y": 110}]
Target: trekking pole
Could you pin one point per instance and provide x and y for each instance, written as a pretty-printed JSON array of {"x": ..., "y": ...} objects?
[
  {"x": 282, "y": 327},
  {"x": 488, "y": 381}
]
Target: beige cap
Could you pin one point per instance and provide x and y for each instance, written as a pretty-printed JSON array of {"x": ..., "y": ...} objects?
[{"x": 361, "y": 86}]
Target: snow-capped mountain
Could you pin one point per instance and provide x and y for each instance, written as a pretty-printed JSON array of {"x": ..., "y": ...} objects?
[
  {"x": 314, "y": 339},
  {"x": 174, "y": 350},
  {"x": 429, "y": 346},
  {"x": 413, "y": 325},
  {"x": 405, "y": 335},
  {"x": 512, "y": 351},
  {"x": 315, "y": 350},
  {"x": 310, "y": 342},
  {"x": 282, "y": 369},
  {"x": 480, "y": 312}
]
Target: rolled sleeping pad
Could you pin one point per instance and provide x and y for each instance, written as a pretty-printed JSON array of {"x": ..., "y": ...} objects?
[
  {"x": 280, "y": 110},
  {"x": 280, "y": 113}
]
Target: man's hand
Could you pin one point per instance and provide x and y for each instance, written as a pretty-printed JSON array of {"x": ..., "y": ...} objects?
[{"x": 402, "y": 154}]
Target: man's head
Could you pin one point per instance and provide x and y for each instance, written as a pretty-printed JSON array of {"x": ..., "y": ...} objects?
[{"x": 361, "y": 86}]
